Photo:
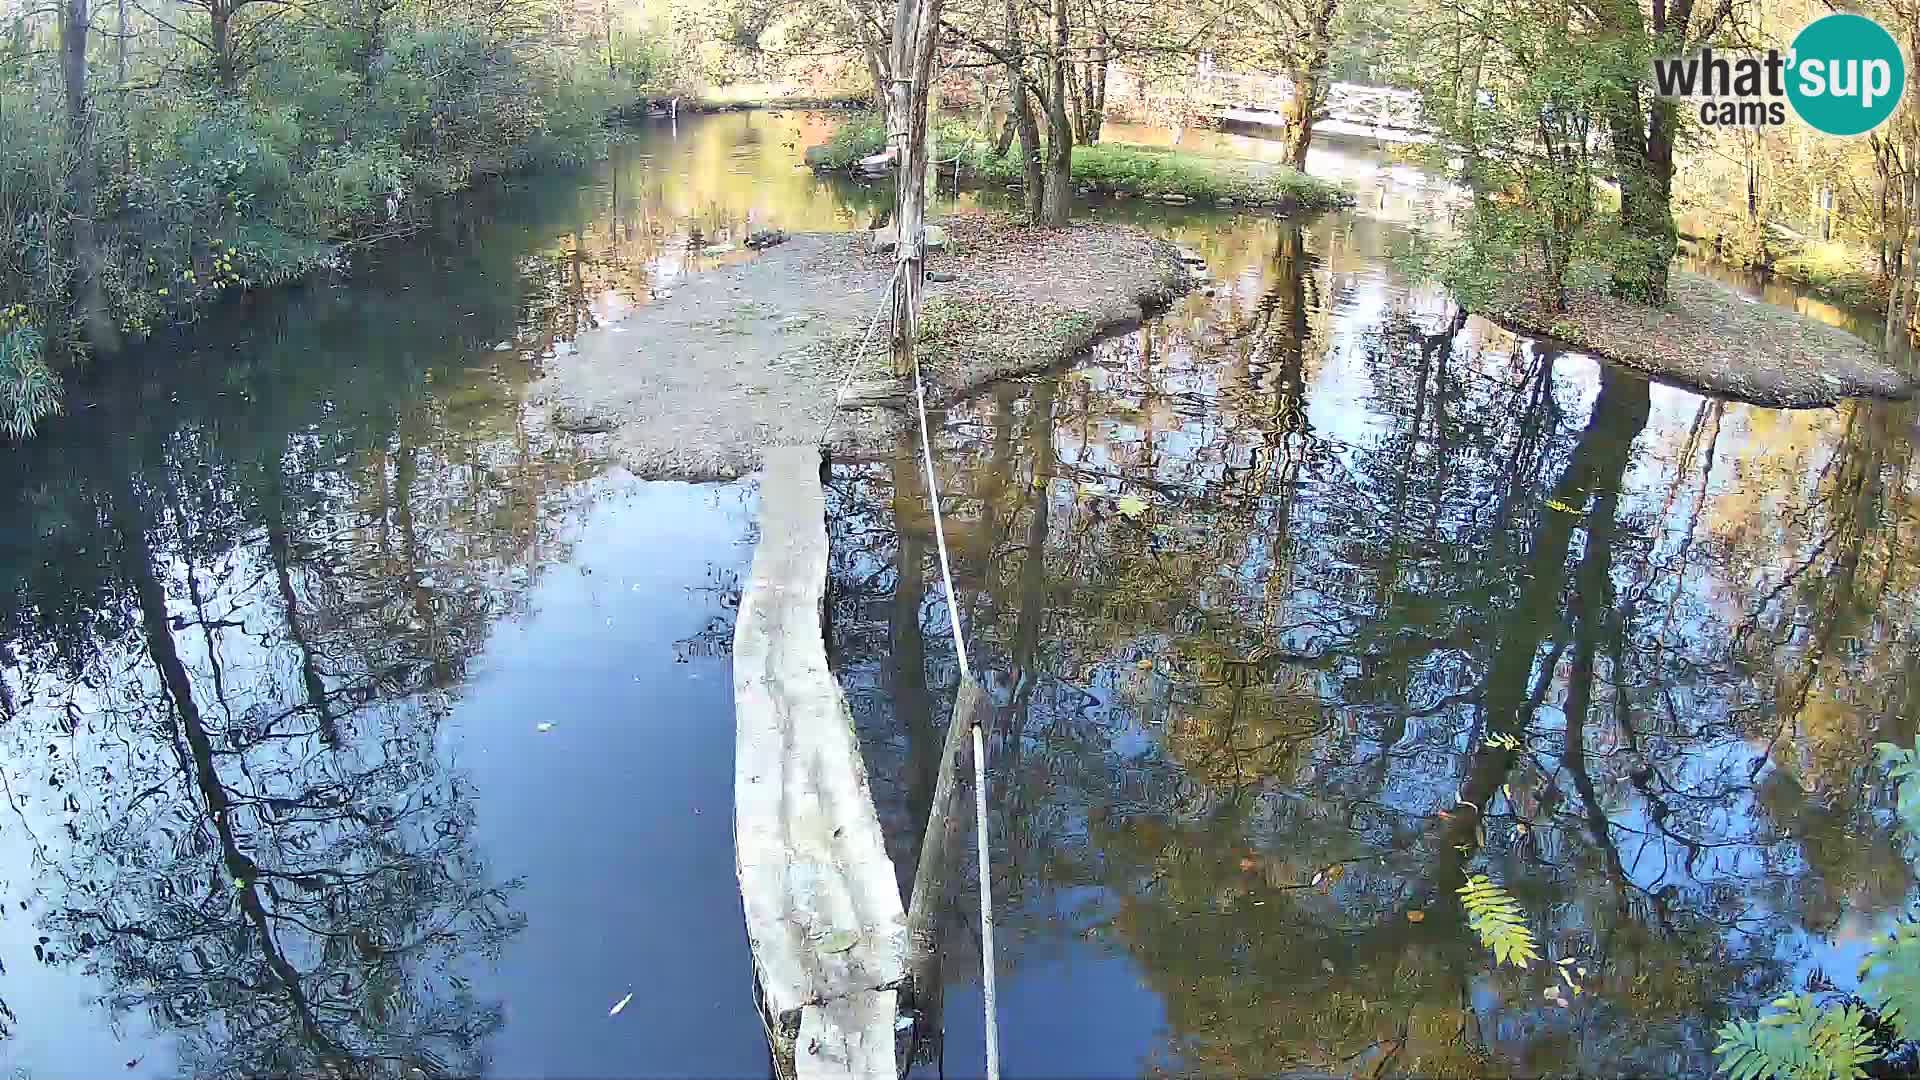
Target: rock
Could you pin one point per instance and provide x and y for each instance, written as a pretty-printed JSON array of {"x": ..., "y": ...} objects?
[
  {"x": 878, "y": 165},
  {"x": 717, "y": 249},
  {"x": 942, "y": 276},
  {"x": 1175, "y": 199},
  {"x": 762, "y": 239},
  {"x": 885, "y": 239},
  {"x": 503, "y": 346}
]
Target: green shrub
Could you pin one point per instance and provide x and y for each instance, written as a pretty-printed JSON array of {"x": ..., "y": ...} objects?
[
  {"x": 1833, "y": 271},
  {"x": 29, "y": 390},
  {"x": 851, "y": 141}
]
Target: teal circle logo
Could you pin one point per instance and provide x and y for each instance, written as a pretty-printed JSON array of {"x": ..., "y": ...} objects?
[{"x": 1845, "y": 74}]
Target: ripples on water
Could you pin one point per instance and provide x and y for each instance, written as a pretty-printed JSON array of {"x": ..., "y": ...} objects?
[{"x": 287, "y": 604}]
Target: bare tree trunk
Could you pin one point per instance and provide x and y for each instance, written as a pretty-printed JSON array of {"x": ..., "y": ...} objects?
[
  {"x": 226, "y": 71},
  {"x": 1056, "y": 206},
  {"x": 874, "y": 51},
  {"x": 1020, "y": 108},
  {"x": 916, "y": 32},
  {"x": 84, "y": 284},
  {"x": 1097, "y": 108}
]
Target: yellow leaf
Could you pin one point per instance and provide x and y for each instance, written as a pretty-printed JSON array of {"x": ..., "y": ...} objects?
[
  {"x": 1416, "y": 916},
  {"x": 1556, "y": 504},
  {"x": 1132, "y": 505}
]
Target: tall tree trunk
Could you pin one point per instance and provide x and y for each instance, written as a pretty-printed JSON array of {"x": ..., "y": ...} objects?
[
  {"x": 84, "y": 291},
  {"x": 226, "y": 70},
  {"x": 1056, "y": 206},
  {"x": 1020, "y": 109},
  {"x": 1097, "y": 108},
  {"x": 916, "y": 33},
  {"x": 1644, "y": 130},
  {"x": 1308, "y": 73}
]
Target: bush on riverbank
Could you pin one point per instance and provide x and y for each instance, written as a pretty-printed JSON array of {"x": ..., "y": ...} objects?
[
  {"x": 1107, "y": 168},
  {"x": 205, "y": 189},
  {"x": 1834, "y": 272}
]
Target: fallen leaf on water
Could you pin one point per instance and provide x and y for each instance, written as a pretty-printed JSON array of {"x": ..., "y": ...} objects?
[
  {"x": 618, "y": 1005},
  {"x": 1131, "y": 505},
  {"x": 1416, "y": 916}
]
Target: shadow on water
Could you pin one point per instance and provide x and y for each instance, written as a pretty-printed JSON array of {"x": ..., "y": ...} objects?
[{"x": 353, "y": 722}]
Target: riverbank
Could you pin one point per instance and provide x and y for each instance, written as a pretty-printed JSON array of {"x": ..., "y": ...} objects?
[
  {"x": 656, "y": 104},
  {"x": 1709, "y": 338},
  {"x": 1839, "y": 273},
  {"x": 1114, "y": 169},
  {"x": 754, "y": 355}
]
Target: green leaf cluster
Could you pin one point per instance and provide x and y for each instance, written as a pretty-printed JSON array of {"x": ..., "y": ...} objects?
[
  {"x": 1494, "y": 915},
  {"x": 1796, "y": 1038}
]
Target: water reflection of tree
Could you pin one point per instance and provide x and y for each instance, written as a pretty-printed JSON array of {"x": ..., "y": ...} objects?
[
  {"x": 238, "y": 626},
  {"x": 1253, "y": 736}
]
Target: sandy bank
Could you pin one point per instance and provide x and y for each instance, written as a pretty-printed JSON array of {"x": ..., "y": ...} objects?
[{"x": 694, "y": 386}]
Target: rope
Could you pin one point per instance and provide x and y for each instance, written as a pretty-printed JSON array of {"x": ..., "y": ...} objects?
[
  {"x": 987, "y": 993},
  {"x": 853, "y": 362}
]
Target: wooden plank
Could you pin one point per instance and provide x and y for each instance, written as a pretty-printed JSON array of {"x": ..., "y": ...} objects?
[
  {"x": 848, "y": 1037},
  {"x": 823, "y": 913}
]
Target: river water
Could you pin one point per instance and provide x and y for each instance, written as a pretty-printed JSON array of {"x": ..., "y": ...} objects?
[{"x": 354, "y": 721}]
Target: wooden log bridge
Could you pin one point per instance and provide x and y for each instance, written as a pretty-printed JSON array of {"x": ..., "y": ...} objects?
[
  {"x": 823, "y": 912},
  {"x": 847, "y": 982}
]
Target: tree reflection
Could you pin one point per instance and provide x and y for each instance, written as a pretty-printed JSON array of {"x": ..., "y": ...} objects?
[
  {"x": 236, "y": 632},
  {"x": 1413, "y": 600}
]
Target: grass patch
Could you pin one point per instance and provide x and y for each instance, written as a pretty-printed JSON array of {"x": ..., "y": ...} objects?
[
  {"x": 1106, "y": 168},
  {"x": 1834, "y": 272},
  {"x": 1152, "y": 171}
]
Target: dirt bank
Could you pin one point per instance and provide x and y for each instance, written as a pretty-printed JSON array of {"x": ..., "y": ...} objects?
[
  {"x": 693, "y": 386},
  {"x": 1709, "y": 338}
]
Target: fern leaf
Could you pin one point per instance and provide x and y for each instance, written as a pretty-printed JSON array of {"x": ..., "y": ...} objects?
[
  {"x": 1903, "y": 765},
  {"x": 1496, "y": 917},
  {"x": 1797, "y": 1040},
  {"x": 1842, "y": 1046},
  {"x": 1890, "y": 978}
]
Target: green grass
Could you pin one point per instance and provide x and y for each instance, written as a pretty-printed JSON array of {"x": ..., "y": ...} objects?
[
  {"x": 1107, "y": 168},
  {"x": 860, "y": 137}
]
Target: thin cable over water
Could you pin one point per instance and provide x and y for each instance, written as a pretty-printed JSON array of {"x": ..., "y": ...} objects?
[{"x": 988, "y": 996}]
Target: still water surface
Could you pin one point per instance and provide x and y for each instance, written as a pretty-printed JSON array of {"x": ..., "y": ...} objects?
[{"x": 352, "y": 720}]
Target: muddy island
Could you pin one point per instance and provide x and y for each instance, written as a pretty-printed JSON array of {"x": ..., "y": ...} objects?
[
  {"x": 765, "y": 352},
  {"x": 1709, "y": 338}
]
